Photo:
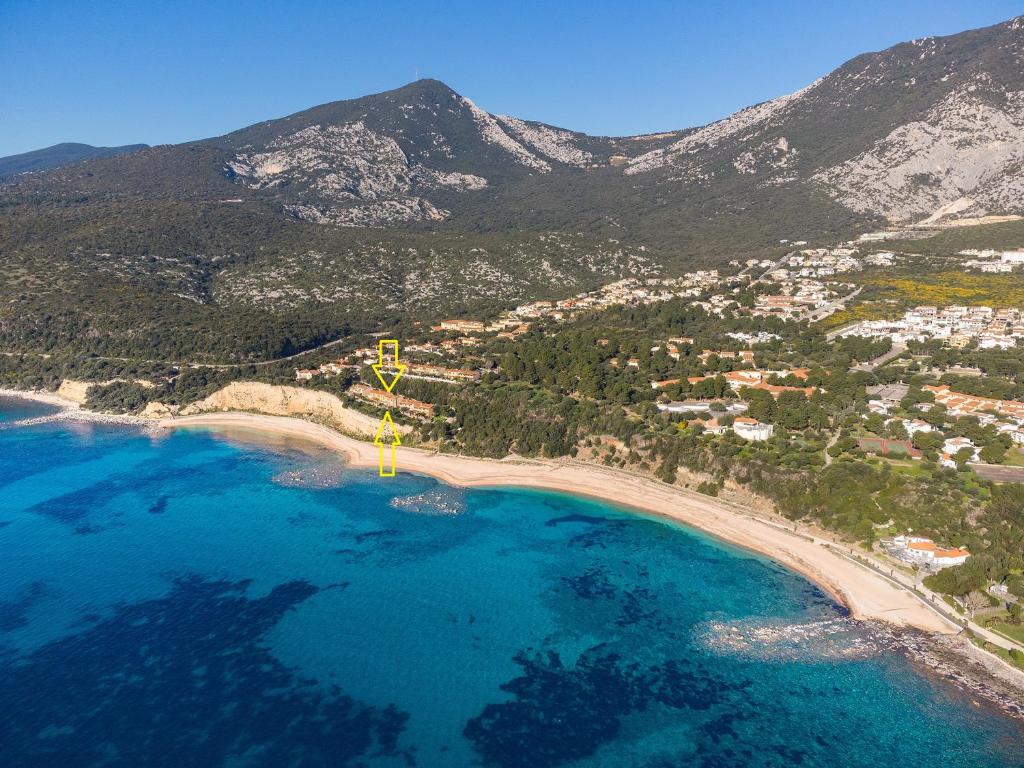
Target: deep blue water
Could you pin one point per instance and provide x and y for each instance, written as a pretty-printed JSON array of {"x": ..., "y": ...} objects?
[{"x": 201, "y": 600}]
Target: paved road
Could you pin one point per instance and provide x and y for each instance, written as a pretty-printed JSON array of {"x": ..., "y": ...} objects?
[
  {"x": 833, "y": 306},
  {"x": 924, "y": 595},
  {"x": 832, "y": 335},
  {"x": 870, "y": 365}
]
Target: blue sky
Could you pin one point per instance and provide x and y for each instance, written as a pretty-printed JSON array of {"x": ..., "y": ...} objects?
[{"x": 124, "y": 72}]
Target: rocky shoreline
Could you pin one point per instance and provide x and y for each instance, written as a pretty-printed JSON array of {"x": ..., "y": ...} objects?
[
  {"x": 70, "y": 411},
  {"x": 956, "y": 661}
]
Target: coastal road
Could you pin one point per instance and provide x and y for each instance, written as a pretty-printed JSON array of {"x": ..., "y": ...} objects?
[
  {"x": 933, "y": 600},
  {"x": 924, "y": 595}
]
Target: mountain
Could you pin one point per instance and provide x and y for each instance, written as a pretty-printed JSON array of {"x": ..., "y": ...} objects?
[
  {"x": 403, "y": 156},
  {"x": 57, "y": 156},
  {"x": 414, "y": 154},
  {"x": 416, "y": 201},
  {"x": 933, "y": 127}
]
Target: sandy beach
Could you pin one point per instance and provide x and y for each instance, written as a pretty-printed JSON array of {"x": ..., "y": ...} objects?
[
  {"x": 71, "y": 409},
  {"x": 865, "y": 593},
  {"x": 50, "y": 398}
]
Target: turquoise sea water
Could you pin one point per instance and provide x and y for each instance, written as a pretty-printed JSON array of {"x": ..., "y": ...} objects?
[{"x": 196, "y": 599}]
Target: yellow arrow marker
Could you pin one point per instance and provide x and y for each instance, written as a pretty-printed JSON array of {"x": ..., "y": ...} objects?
[
  {"x": 391, "y": 363},
  {"x": 383, "y": 441}
]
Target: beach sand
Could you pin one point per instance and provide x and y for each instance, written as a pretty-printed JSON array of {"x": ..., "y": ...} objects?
[
  {"x": 50, "y": 398},
  {"x": 73, "y": 410},
  {"x": 866, "y": 594}
]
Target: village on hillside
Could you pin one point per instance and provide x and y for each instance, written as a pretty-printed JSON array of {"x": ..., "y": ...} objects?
[{"x": 805, "y": 285}]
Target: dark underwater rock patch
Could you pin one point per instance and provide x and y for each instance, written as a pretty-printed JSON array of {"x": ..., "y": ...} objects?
[
  {"x": 184, "y": 680},
  {"x": 577, "y": 518},
  {"x": 159, "y": 506},
  {"x": 592, "y": 584},
  {"x": 151, "y": 479},
  {"x": 14, "y": 613},
  {"x": 386, "y": 533},
  {"x": 562, "y": 713}
]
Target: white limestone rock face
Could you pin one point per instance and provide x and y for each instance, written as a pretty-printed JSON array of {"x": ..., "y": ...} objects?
[
  {"x": 349, "y": 175},
  {"x": 686, "y": 153},
  {"x": 375, "y": 214},
  {"x": 553, "y": 143},
  {"x": 771, "y": 155},
  {"x": 492, "y": 133},
  {"x": 969, "y": 145}
]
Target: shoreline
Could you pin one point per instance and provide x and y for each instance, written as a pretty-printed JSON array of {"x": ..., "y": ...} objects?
[
  {"x": 930, "y": 641},
  {"x": 863, "y": 593},
  {"x": 867, "y": 595},
  {"x": 50, "y": 398},
  {"x": 70, "y": 409}
]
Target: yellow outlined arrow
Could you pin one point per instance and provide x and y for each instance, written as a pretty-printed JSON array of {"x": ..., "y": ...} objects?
[
  {"x": 387, "y": 425},
  {"x": 380, "y": 365}
]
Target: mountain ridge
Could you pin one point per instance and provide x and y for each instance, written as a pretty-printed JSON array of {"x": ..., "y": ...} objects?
[
  {"x": 416, "y": 200},
  {"x": 58, "y": 155},
  {"x": 422, "y": 152}
]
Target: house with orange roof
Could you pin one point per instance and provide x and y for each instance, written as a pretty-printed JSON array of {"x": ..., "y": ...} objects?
[
  {"x": 959, "y": 404},
  {"x": 462, "y": 326},
  {"x": 664, "y": 384},
  {"x": 755, "y": 379},
  {"x": 920, "y": 550}
]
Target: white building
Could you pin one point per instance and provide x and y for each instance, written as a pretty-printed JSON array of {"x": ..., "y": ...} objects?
[
  {"x": 700, "y": 406},
  {"x": 925, "y": 552},
  {"x": 752, "y": 429},
  {"x": 912, "y": 426},
  {"x": 997, "y": 342},
  {"x": 954, "y": 445}
]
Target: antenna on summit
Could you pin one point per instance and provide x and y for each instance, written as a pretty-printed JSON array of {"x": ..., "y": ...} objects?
[{"x": 417, "y": 73}]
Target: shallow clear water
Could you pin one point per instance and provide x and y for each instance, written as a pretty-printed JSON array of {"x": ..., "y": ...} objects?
[
  {"x": 194, "y": 600},
  {"x": 16, "y": 409}
]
